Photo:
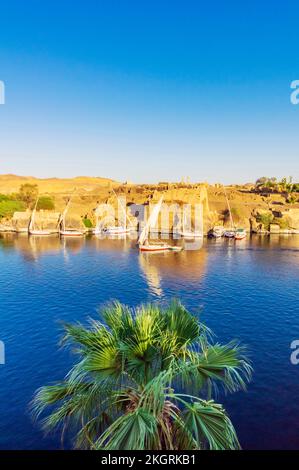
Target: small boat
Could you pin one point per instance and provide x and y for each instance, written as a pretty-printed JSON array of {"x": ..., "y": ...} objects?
[
  {"x": 186, "y": 234},
  {"x": 31, "y": 229},
  {"x": 143, "y": 242},
  {"x": 115, "y": 229},
  {"x": 111, "y": 230},
  {"x": 159, "y": 247},
  {"x": 155, "y": 247},
  {"x": 218, "y": 231},
  {"x": 229, "y": 234},
  {"x": 40, "y": 232},
  {"x": 240, "y": 234},
  {"x": 186, "y": 226},
  {"x": 71, "y": 233},
  {"x": 68, "y": 231}
]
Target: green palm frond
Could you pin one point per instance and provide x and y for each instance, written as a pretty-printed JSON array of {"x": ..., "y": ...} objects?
[
  {"x": 208, "y": 422},
  {"x": 226, "y": 363},
  {"x": 181, "y": 324},
  {"x": 136, "y": 430},
  {"x": 117, "y": 317},
  {"x": 122, "y": 393}
]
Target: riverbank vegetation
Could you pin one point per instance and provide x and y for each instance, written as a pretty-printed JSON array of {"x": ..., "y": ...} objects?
[
  {"x": 145, "y": 379},
  {"x": 24, "y": 199},
  {"x": 9, "y": 205},
  {"x": 285, "y": 185}
]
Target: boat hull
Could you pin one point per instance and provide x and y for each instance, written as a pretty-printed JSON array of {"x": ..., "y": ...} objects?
[
  {"x": 240, "y": 235},
  {"x": 40, "y": 233},
  {"x": 229, "y": 234},
  {"x": 217, "y": 232},
  {"x": 71, "y": 233},
  {"x": 117, "y": 230},
  {"x": 164, "y": 247},
  {"x": 190, "y": 234},
  {"x": 154, "y": 247}
]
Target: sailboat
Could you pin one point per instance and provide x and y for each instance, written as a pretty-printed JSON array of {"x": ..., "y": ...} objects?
[
  {"x": 237, "y": 234},
  {"x": 143, "y": 242},
  {"x": 63, "y": 230},
  {"x": 186, "y": 224},
  {"x": 31, "y": 229},
  {"x": 231, "y": 232},
  {"x": 115, "y": 229}
]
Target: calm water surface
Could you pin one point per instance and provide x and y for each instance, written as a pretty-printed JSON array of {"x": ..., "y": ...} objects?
[{"x": 246, "y": 291}]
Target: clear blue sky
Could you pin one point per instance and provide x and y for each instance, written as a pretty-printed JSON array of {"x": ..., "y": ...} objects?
[{"x": 149, "y": 90}]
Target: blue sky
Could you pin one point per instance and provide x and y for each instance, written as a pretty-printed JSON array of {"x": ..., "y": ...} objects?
[{"x": 149, "y": 91}]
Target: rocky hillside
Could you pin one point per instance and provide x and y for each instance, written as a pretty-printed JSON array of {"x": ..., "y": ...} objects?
[{"x": 255, "y": 210}]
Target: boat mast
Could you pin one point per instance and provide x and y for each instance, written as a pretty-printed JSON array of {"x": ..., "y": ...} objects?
[
  {"x": 123, "y": 209},
  {"x": 232, "y": 225},
  {"x": 184, "y": 220},
  {"x": 32, "y": 218},
  {"x": 61, "y": 222},
  {"x": 150, "y": 222}
]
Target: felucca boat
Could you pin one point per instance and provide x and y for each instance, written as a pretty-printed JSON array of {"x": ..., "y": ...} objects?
[
  {"x": 143, "y": 242},
  {"x": 31, "y": 229},
  {"x": 231, "y": 232},
  {"x": 185, "y": 233},
  {"x": 67, "y": 231},
  {"x": 115, "y": 229}
]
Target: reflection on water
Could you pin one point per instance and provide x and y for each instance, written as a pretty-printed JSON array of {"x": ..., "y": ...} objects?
[
  {"x": 248, "y": 290},
  {"x": 34, "y": 246},
  {"x": 185, "y": 265}
]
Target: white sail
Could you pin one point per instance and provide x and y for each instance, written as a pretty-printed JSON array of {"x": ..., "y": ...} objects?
[
  {"x": 124, "y": 211},
  {"x": 32, "y": 218},
  {"x": 232, "y": 225},
  {"x": 186, "y": 220},
  {"x": 61, "y": 222},
  {"x": 151, "y": 222}
]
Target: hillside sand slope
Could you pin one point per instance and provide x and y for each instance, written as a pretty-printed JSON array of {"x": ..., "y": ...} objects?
[
  {"x": 250, "y": 209},
  {"x": 11, "y": 183}
]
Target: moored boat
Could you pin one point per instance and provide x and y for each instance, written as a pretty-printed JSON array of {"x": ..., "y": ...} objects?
[
  {"x": 229, "y": 234},
  {"x": 240, "y": 234},
  {"x": 144, "y": 244},
  {"x": 71, "y": 233},
  {"x": 186, "y": 234},
  {"x": 68, "y": 231},
  {"x": 154, "y": 247},
  {"x": 187, "y": 231},
  {"x": 117, "y": 230},
  {"x": 40, "y": 232},
  {"x": 31, "y": 229},
  {"x": 217, "y": 231}
]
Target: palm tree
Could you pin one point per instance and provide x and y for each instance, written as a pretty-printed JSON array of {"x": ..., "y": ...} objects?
[{"x": 144, "y": 380}]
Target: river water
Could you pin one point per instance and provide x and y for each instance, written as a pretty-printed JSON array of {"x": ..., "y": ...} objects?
[{"x": 245, "y": 290}]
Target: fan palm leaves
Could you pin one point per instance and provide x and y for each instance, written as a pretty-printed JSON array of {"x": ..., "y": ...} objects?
[{"x": 145, "y": 379}]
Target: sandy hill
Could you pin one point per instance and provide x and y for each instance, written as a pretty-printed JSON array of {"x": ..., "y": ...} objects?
[{"x": 11, "y": 183}]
